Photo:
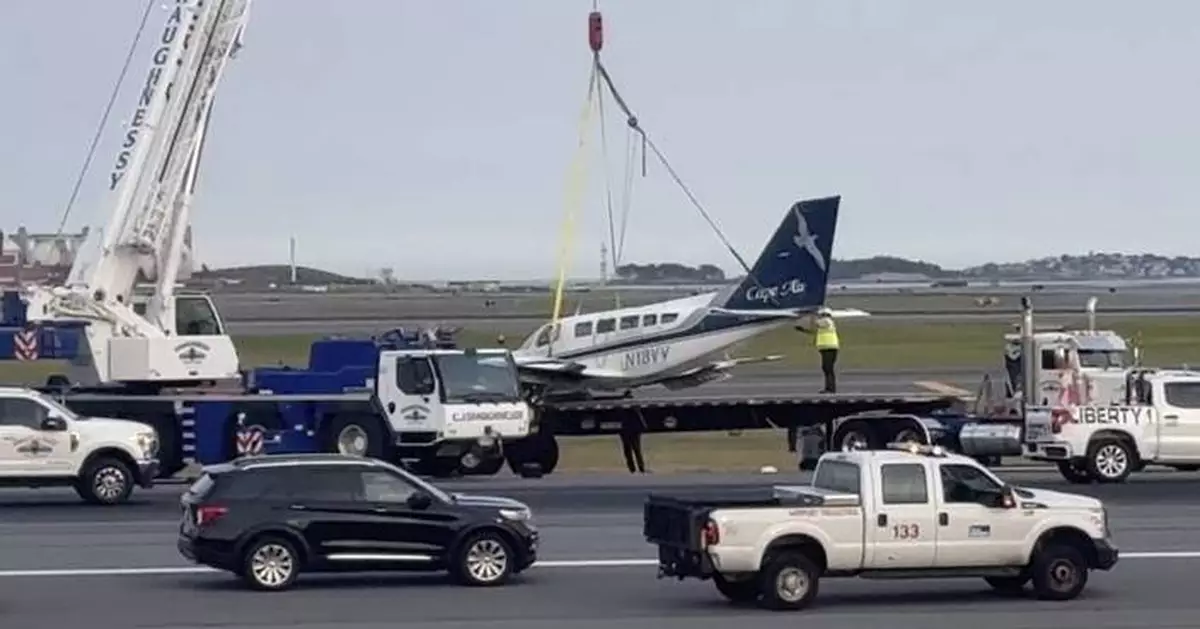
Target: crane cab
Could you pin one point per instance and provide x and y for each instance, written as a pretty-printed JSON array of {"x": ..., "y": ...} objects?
[{"x": 190, "y": 314}]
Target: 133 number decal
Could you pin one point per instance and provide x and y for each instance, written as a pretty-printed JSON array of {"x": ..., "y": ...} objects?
[{"x": 906, "y": 531}]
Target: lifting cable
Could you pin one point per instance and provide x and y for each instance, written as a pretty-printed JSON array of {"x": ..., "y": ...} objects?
[
  {"x": 595, "y": 35},
  {"x": 112, "y": 99}
]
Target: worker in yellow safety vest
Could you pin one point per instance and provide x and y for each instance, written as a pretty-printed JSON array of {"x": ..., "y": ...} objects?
[{"x": 825, "y": 338}]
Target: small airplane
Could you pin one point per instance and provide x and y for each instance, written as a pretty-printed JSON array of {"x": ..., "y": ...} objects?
[{"x": 673, "y": 343}]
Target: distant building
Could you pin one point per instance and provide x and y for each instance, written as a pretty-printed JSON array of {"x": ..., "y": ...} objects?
[
  {"x": 46, "y": 258},
  {"x": 26, "y": 257}
]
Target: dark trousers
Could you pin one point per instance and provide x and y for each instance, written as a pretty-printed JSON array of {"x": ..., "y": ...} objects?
[
  {"x": 828, "y": 362},
  {"x": 631, "y": 447}
]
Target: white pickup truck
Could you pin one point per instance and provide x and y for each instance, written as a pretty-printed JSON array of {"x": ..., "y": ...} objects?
[
  {"x": 1159, "y": 422},
  {"x": 45, "y": 444},
  {"x": 906, "y": 512}
]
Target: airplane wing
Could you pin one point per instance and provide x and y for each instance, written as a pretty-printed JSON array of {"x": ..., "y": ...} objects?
[
  {"x": 557, "y": 367},
  {"x": 849, "y": 313},
  {"x": 716, "y": 370}
]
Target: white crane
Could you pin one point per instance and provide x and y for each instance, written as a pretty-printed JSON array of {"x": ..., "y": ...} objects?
[{"x": 152, "y": 185}]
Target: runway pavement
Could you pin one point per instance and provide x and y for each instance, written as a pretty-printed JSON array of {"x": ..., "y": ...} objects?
[
  {"x": 516, "y": 314},
  {"x": 66, "y": 564}
]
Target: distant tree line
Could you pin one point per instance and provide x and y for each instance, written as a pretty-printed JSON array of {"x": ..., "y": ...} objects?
[{"x": 669, "y": 272}]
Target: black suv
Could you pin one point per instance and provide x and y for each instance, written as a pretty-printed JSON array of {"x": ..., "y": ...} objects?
[{"x": 269, "y": 518}]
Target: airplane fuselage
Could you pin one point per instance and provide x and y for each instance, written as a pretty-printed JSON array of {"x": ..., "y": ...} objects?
[{"x": 632, "y": 347}]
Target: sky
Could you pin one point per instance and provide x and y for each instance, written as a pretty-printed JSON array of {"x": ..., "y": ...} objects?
[{"x": 436, "y": 138}]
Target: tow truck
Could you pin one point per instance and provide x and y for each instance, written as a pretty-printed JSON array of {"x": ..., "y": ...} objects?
[{"x": 908, "y": 512}]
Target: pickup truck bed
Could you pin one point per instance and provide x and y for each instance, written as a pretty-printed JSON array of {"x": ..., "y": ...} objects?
[{"x": 675, "y": 524}]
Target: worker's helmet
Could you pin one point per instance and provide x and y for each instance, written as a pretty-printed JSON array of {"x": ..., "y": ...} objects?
[{"x": 824, "y": 312}]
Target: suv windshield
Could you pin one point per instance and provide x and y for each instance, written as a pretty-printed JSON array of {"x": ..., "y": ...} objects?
[{"x": 478, "y": 377}]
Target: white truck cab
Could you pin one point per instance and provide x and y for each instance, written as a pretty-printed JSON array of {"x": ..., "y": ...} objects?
[
  {"x": 1155, "y": 420},
  {"x": 907, "y": 512},
  {"x": 464, "y": 404},
  {"x": 45, "y": 444}
]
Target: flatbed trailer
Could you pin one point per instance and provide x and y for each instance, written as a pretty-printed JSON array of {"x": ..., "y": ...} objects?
[{"x": 214, "y": 426}]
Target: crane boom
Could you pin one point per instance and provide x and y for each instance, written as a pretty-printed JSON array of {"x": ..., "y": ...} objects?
[{"x": 152, "y": 184}]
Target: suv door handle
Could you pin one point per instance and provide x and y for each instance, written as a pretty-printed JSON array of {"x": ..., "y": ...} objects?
[
  {"x": 881, "y": 520},
  {"x": 943, "y": 518},
  {"x": 297, "y": 507},
  {"x": 1172, "y": 416},
  {"x": 380, "y": 509}
]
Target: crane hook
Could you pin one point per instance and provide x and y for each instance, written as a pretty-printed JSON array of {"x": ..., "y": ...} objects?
[{"x": 595, "y": 31}]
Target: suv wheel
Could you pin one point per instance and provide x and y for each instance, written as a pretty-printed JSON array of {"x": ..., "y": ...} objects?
[
  {"x": 788, "y": 582},
  {"x": 1059, "y": 573},
  {"x": 105, "y": 481},
  {"x": 743, "y": 589},
  {"x": 270, "y": 563},
  {"x": 485, "y": 559},
  {"x": 1110, "y": 460}
]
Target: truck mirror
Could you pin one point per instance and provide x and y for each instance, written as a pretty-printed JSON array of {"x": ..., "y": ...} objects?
[{"x": 54, "y": 423}]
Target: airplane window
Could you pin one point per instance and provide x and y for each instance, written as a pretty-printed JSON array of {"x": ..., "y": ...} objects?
[
  {"x": 629, "y": 323},
  {"x": 606, "y": 325},
  {"x": 668, "y": 318},
  {"x": 583, "y": 329},
  {"x": 649, "y": 320}
]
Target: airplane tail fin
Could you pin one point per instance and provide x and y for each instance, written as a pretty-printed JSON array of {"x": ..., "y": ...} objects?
[{"x": 793, "y": 269}]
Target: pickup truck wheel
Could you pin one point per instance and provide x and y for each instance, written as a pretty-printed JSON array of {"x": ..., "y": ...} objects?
[
  {"x": 743, "y": 590},
  {"x": 105, "y": 481},
  {"x": 1009, "y": 586},
  {"x": 1059, "y": 573},
  {"x": 1074, "y": 472},
  {"x": 788, "y": 582},
  {"x": 1110, "y": 460}
]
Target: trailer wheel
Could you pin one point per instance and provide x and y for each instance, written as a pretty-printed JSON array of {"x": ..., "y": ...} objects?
[
  {"x": 359, "y": 435},
  {"x": 854, "y": 436}
]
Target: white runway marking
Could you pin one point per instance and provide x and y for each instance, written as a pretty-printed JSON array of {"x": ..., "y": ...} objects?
[{"x": 550, "y": 564}]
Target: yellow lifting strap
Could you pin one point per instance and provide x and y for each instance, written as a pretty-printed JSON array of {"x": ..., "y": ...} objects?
[{"x": 576, "y": 185}]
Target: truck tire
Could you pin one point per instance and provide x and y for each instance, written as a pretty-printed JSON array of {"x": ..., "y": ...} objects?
[
  {"x": 788, "y": 582},
  {"x": 1110, "y": 460},
  {"x": 1059, "y": 573},
  {"x": 854, "y": 436},
  {"x": 1074, "y": 472},
  {"x": 489, "y": 466},
  {"x": 360, "y": 435},
  {"x": 1008, "y": 586},
  {"x": 105, "y": 481},
  {"x": 743, "y": 590}
]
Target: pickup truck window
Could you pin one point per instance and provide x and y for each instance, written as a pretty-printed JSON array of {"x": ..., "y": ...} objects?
[
  {"x": 963, "y": 483},
  {"x": 838, "y": 476},
  {"x": 904, "y": 484},
  {"x": 1183, "y": 394},
  {"x": 22, "y": 412}
]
